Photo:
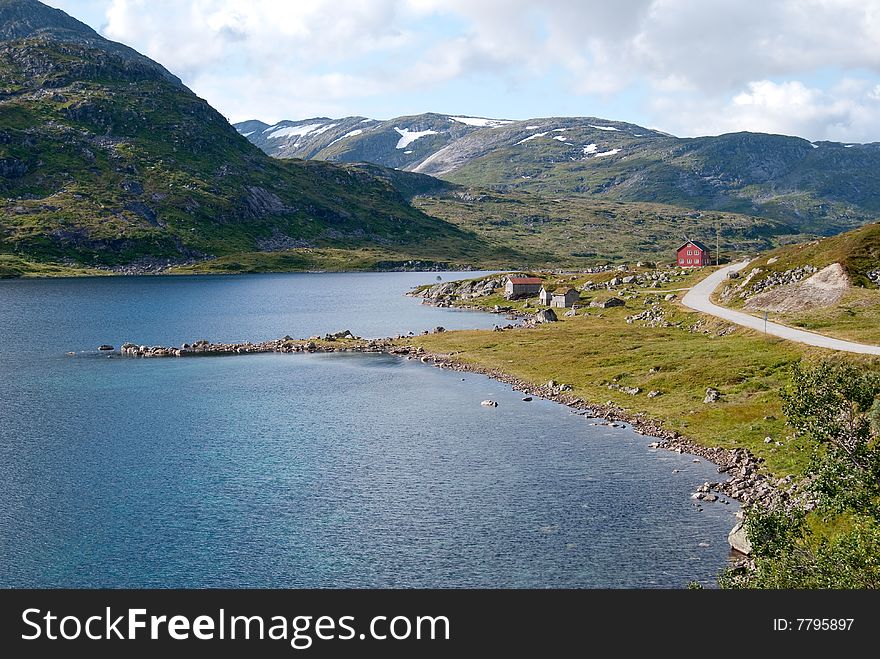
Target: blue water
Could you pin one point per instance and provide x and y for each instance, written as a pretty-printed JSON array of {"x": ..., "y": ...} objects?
[{"x": 310, "y": 470}]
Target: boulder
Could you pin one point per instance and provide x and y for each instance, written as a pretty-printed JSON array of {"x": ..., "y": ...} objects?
[
  {"x": 739, "y": 540},
  {"x": 607, "y": 304},
  {"x": 546, "y": 316},
  {"x": 712, "y": 395},
  {"x": 489, "y": 403}
]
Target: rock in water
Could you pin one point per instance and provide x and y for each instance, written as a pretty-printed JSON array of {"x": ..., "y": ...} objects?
[
  {"x": 489, "y": 403},
  {"x": 106, "y": 348},
  {"x": 738, "y": 539}
]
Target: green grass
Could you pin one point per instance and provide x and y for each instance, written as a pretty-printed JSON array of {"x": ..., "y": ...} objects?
[
  {"x": 855, "y": 318},
  {"x": 576, "y": 230},
  {"x": 329, "y": 259},
  {"x": 858, "y": 251},
  {"x": 13, "y": 266}
]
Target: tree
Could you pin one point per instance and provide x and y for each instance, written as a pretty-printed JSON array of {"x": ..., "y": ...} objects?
[{"x": 837, "y": 405}]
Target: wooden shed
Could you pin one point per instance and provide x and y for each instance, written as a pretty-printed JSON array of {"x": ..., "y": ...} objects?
[{"x": 522, "y": 287}]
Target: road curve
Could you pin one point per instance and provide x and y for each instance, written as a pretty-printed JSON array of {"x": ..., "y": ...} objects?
[{"x": 698, "y": 300}]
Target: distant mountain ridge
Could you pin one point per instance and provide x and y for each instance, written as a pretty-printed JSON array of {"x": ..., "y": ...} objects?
[{"x": 823, "y": 187}]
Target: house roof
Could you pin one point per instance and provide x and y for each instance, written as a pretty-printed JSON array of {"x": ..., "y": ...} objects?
[
  {"x": 562, "y": 291},
  {"x": 695, "y": 243},
  {"x": 525, "y": 280}
]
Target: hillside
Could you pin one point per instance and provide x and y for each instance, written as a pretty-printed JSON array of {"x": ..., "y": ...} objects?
[
  {"x": 581, "y": 230},
  {"x": 107, "y": 159},
  {"x": 823, "y": 187},
  {"x": 831, "y": 285}
]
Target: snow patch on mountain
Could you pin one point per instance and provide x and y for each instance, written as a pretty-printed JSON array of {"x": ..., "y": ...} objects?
[
  {"x": 561, "y": 138},
  {"x": 408, "y": 136},
  {"x": 603, "y": 127},
  {"x": 590, "y": 148},
  {"x": 480, "y": 122},
  {"x": 607, "y": 153},
  {"x": 324, "y": 129},
  {"x": 351, "y": 133},
  {"x": 531, "y": 137},
  {"x": 248, "y": 134},
  {"x": 290, "y": 131},
  {"x": 532, "y": 127}
]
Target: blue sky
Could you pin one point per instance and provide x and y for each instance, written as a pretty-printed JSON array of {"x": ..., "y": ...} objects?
[{"x": 798, "y": 67}]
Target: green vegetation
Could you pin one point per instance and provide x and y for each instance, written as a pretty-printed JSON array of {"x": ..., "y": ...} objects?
[
  {"x": 823, "y": 190},
  {"x": 836, "y": 406},
  {"x": 856, "y": 316},
  {"x": 579, "y": 231},
  {"x": 310, "y": 259},
  {"x": 858, "y": 251},
  {"x": 13, "y": 266}
]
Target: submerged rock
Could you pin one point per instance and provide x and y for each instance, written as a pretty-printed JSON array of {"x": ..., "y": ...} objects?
[{"x": 489, "y": 403}]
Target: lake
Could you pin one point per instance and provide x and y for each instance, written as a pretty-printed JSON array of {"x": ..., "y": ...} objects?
[{"x": 323, "y": 470}]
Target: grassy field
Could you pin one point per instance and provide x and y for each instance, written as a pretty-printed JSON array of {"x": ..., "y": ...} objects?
[
  {"x": 14, "y": 266},
  {"x": 855, "y": 318},
  {"x": 598, "y": 347},
  {"x": 572, "y": 230},
  {"x": 330, "y": 259}
]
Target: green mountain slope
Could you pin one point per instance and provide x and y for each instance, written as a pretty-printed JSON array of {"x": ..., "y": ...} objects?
[
  {"x": 580, "y": 230},
  {"x": 106, "y": 158}
]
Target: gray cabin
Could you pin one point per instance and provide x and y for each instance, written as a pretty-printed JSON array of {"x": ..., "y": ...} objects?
[
  {"x": 564, "y": 297},
  {"x": 516, "y": 287}
]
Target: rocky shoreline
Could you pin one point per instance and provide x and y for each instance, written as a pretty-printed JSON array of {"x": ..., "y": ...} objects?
[{"x": 745, "y": 481}]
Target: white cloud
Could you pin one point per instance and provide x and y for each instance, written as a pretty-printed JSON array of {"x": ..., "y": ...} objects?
[
  {"x": 848, "y": 112},
  {"x": 276, "y": 58}
]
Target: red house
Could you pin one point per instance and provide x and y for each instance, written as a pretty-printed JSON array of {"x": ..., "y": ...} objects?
[{"x": 693, "y": 254}]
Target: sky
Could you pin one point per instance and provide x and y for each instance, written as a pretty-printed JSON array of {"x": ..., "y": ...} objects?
[{"x": 688, "y": 67}]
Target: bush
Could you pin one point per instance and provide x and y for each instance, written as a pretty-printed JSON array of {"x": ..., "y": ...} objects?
[{"x": 837, "y": 406}]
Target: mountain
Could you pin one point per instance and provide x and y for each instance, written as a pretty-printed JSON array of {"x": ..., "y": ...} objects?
[
  {"x": 106, "y": 158},
  {"x": 402, "y": 143},
  {"x": 822, "y": 187}
]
